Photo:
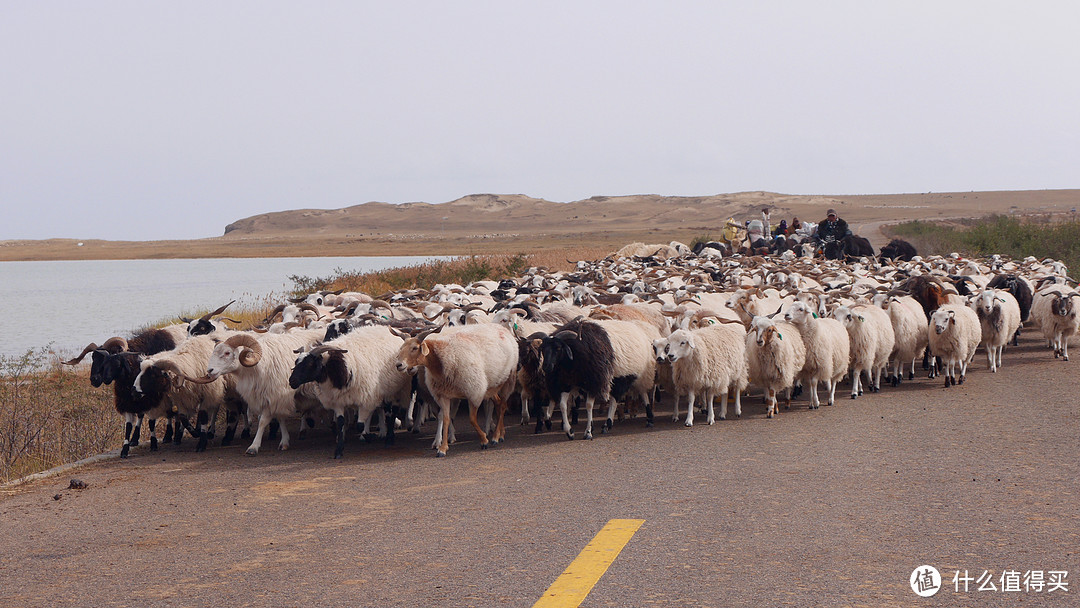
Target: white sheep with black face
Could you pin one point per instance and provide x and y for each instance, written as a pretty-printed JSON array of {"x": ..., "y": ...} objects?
[
  {"x": 954, "y": 335},
  {"x": 357, "y": 371},
  {"x": 708, "y": 361},
  {"x": 999, "y": 318}
]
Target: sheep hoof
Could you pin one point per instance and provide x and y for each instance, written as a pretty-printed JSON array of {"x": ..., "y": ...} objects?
[
  {"x": 711, "y": 422},
  {"x": 153, "y": 443},
  {"x": 201, "y": 446},
  {"x": 484, "y": 446},
  {"x": 911, "y": 376},
  {"x": 610, "y": 423},
  {"x": 252, "y": 451},
  {"x": 588, "y": 435},
  {"x": 547, "y": 424},
  {"x": 570, "y": 436},
  {"x": 282, "y": 447},
  {"x": 689, "y": 423},
  {"x": 854, "y": 395},
  {"x": 648, "y": 424},
  {"x": 338, "y": 454},
  {"x": 725, "y": 417},
  {"x": 675, "y": 418},
  {"x": 962, "y": 379},
  {"x": 124, "y": 451},
  {"x": 440, "y": 454}
]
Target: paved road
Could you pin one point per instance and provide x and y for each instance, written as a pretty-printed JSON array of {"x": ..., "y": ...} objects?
[{"x": 833, "y": 507}]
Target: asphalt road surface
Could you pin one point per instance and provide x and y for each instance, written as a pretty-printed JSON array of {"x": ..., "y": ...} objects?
[{"x": 834, "y": 507}]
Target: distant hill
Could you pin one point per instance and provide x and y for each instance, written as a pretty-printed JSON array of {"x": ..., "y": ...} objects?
[{"x": 516, "y": 214}]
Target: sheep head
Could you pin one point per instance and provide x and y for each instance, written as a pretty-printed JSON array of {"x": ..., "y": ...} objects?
[{"x": 228, "y": 356}]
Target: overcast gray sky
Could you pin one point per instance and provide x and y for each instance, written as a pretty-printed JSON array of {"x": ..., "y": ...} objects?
[{"x": 153, "y": 120}]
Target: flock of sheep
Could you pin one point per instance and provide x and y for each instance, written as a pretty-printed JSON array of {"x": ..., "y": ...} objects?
[{"x": 615, "y": 332}]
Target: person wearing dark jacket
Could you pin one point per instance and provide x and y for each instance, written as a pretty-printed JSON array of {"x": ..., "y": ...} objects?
[{"x": 832, "y": 228}]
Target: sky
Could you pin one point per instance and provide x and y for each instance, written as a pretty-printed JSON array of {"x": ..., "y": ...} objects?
[{"x": 169, "y": 120}]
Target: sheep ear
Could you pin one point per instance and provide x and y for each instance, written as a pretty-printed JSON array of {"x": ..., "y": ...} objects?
[
  {"x": 425, "y": 349},
  {"x": 569, "y": 352}
]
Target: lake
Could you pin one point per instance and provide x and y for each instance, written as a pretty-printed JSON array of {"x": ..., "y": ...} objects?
[{"x": 72, "y": 303}]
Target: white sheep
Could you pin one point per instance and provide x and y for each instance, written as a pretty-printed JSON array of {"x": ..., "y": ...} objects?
[
  {"x": 871, "y": 343},
  {"x": 706, "y": 361},
  {"x": 262, "y": 366},
  {"x": 634, "y": 366},
  {"x": 827, "y": 350},
  {"x": 472, "y": 362},
  {"x": 358, "y": 370},
  {"x": 999, "y": 317},
  {"x": 1055, "y": 311},
  {"x": 775, "y": 353},
  {"x": 954, "y": 335},
  {"x": 909, "y": 323}
]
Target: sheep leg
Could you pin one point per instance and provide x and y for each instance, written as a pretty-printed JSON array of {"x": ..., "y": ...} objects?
[
  {"x": 167, "y": 437},
  {"x": 738, "y": 403},
  {"x": 489, "y": 410},
  {"x": 444, "y": 421},
  {"x": 136, "y": 431},
  {"x": 815, "y": 400},
  {"x": 339, "y": 434},
  {"x": 832, "y": 384},
  {"x": 691, "y": 397},
  {"x": 709, "y": 397},
  {"x": 563, "y": 398},
  {"x": 500, "y": 425},
  {"x": 589, "y": 403},
  {"x": 473, "y": 410},
  {"x": 770, "y": 395},
  {"x": 855, "y": 379},
  {"x": 390, "y": 420},
  {"x": 723, "y": 404},
  {"x": 129, "y": 423},
  {"x": 150, "y": 424},
  {"x": 613, "y": 406},
  {"x": 231, "y": 418},
  {"x": 202, "y": 419},
  {"x": 1064, "y": 348},
  {"x": 264, "y": 421},
  {"x": 525, "y": 411},
  {"x": 675, "y": 417}
]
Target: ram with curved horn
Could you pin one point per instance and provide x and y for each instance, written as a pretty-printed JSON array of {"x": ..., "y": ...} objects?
[{"x": 262, "y": 366}]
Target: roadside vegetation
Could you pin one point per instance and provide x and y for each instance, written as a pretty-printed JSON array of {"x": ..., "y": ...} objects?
[
  {"x": 50, "y": 415},
  {"x": 1040, "y": 236}
]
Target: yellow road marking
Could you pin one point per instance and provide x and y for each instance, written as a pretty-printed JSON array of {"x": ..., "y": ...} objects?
[{"x": 575, "y": 583}]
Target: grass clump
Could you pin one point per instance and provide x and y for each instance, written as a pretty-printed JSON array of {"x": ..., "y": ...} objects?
[
  {"x": 50, "y": 415},
  {"x": 1010, "y": 236}
]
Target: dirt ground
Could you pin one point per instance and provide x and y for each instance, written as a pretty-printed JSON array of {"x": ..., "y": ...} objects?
[{"x": 833, "y": 507}]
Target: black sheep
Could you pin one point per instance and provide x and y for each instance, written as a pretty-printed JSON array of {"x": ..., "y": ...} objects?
[
  {"x": 577, "y": 356},
  {"x": 898, "y": 249}
]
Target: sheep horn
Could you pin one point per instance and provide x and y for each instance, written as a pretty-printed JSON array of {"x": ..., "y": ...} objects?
[
  {"x": 427, "y": 332},
  {"x": 114, "y": 342},
  {"x": 171, "y": 366},
  {"x": 274, "y": 313},
  {"x": 215, "y": 313},
  {"x": 89, "y": 348},
  {"x": 309, "y": 307},
  {"x": 348, "y": 311},
  {"x": 297, "y": 300},
  {"x": 322, "y": 348},
  {"x": 250, "y": 357},
  {"x": 185, "y": 319}
]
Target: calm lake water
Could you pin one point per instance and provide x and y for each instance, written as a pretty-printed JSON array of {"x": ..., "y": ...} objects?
[{"x": 70, "y": 304}]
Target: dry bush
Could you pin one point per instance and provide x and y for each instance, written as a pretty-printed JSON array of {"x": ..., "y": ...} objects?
[{"x": 50, "y": 415}]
